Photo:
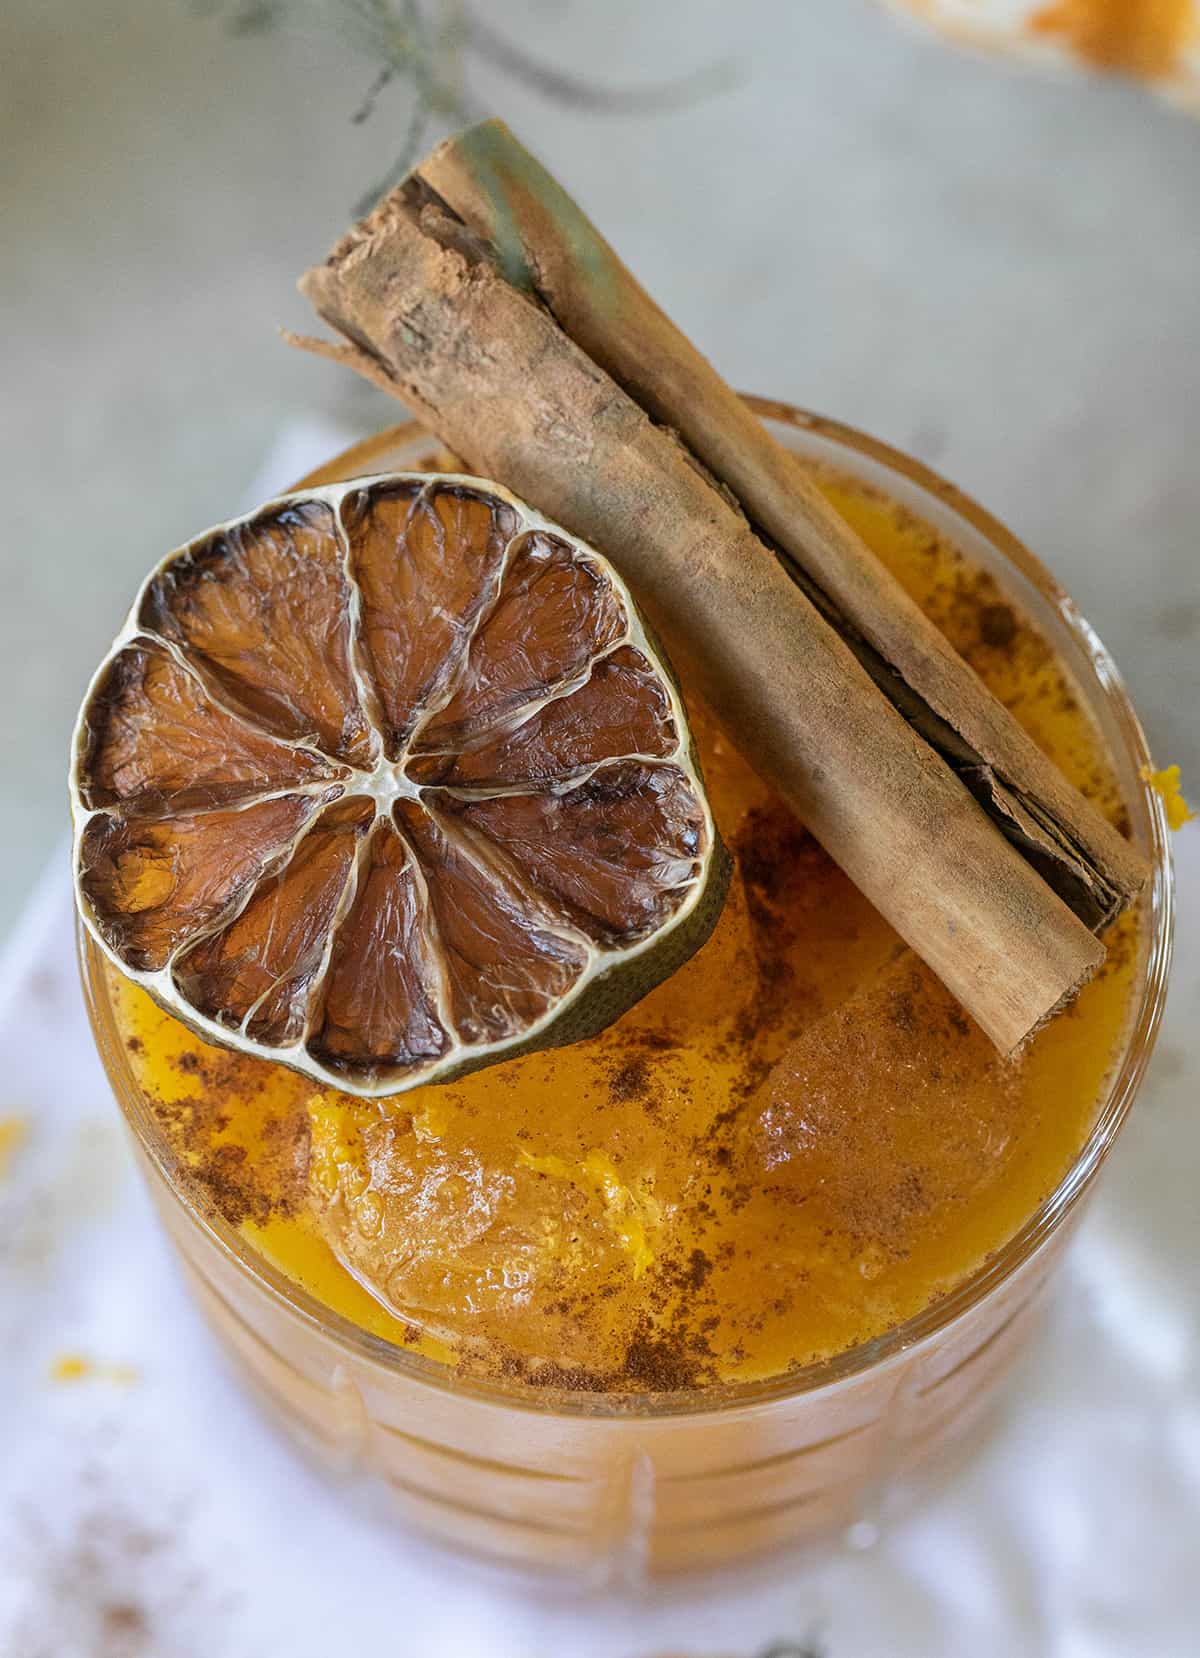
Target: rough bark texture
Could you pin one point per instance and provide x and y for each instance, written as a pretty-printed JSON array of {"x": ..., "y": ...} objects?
[
  {"x": 427, "y": 312},
  {"x": 547, "y": 246}
]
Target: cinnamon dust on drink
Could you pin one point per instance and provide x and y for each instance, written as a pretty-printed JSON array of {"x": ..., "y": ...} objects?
[{"x": 800, "y": 1177}]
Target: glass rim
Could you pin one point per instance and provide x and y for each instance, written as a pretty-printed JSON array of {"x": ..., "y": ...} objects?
[{"x": 902, "y": 1338}]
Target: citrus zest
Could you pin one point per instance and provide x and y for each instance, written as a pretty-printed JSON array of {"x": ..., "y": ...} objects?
[{"x": 1166, "y": 786}]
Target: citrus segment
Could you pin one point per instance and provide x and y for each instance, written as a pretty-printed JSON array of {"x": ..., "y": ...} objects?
[
  {"x": 258, "y": 971},
  {"x": 157, "y": 742},
  {"x": 379, "y": 1013},
  {"x": 420, "y": 602},
  {"x": 386, "y": 781},
  {"x": 505, "y": 966},
  {"x": 621, "y": 703},
  {"x": 615, "y": 852},
  {"x": 153, "y": 884},
  {"x": 510, "y": 669},
  {"x": 262, "y": 610}
]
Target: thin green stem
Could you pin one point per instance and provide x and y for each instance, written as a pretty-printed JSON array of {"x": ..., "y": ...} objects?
[{"x": 425, "y": 47}]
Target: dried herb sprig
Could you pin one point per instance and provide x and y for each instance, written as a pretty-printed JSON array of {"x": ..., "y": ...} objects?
[{"x": 424, "y": 47}]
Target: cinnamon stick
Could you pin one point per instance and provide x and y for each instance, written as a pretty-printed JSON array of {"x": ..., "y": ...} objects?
[
  {"x": 425, "y": 307},
  {"x": 547, "y": 246}
]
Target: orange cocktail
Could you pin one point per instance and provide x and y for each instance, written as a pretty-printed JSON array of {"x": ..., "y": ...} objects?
[{"x": 794, "y": 1148}]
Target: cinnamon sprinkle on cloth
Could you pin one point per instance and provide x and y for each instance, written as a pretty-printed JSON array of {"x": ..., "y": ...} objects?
[
  {"x": 76, "y": 1367},
  {"x": 12, "y": 1132}
]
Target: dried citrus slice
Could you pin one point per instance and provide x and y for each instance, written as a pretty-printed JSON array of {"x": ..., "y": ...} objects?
[{"x": 387, "y": 781}]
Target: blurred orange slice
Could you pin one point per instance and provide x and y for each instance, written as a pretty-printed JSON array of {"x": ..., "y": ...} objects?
[
  {"x": 1155, "y": 40},
  {"x": 386, "y": 781}
]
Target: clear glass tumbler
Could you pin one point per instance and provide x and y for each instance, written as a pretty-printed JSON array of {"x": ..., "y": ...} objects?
[{"x": 614, "y": 1488}]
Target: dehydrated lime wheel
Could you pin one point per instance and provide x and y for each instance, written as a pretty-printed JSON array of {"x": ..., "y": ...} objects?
[{"x": 385, "y": 782}]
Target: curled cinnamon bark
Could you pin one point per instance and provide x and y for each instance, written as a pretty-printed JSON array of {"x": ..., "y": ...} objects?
[{"x": 480, "y": 295}]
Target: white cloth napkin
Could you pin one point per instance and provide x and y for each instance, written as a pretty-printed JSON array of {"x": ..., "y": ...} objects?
[{"x": 147, "y": 1511}]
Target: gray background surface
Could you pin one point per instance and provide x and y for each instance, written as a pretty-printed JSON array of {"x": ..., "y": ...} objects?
[{"x": 996, "y": 271}]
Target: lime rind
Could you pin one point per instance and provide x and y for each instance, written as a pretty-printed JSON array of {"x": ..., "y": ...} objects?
[{"x": 611, "y": 979}]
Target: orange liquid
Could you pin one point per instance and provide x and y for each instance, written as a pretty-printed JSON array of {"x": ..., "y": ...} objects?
[{"x": 790, "y": 1146}]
